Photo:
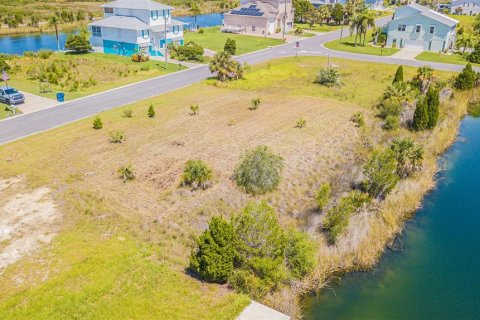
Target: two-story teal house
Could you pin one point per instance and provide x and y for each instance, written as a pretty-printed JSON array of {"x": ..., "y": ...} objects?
[
  {"x": 418, "y": 27},
  {"x": 131, "y": 25}
]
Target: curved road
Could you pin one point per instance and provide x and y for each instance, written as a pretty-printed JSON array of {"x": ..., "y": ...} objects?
[{"x": 25, "y": 125}]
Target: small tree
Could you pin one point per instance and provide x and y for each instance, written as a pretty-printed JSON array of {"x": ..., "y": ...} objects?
[
  {"x": 380, "y": 173},
  {"x": 408, "y": 154},
  {"x": 301, "y": 123},
  {"x": 337, "y": 13},
  {"x": 420, "y": 117},
  {"x": 194, "y": 109},
  {"x": 466, "y": 79},
  {"x": 300, "y": 254},
  {"x": 225, "y": 67},
  {"x": 398, "y": 75},
  {"x": 259, "y": 171},
  {"x": 79, "y": 43},
  {"x": 230, "y": 46},
  {"x": 215, "y": 253},
  {"x": 433, "y": 107},
  {"x": 151, "y": 111},
  {"x": 197, "y": 174},
  {"x": 322, "y": 196},
  {"x": 97, "y": 123},
  {"x": 255, "y": 103}
]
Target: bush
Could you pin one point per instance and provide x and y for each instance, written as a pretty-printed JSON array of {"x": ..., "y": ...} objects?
[
  {"x": 420, "y": 117},
  {"x": 329, "y": 77},
  {"x": 78, "y": 43},
  {"x": 322, "y": 196},
  {"x": 381, "y": 173},
  {"x": 190, "y": 51},
  {"x": 259, "y": 171},
  {"x": 44, "y": 54},
  {"x": 254, "y": 104},
  {"x": 358, "y": 119},
  {"x": 117, "y": 136},
  {"x": 151, "y": 112},
  {"x": 97, "y": 123},
  {"x": 474, "y": 57},
  {"x": 225, "y": 67},
  {"x": 127, "y": 173},
  {"x": 408, "y": 154},
  {"x": 390, "y": 107},
  {"x": 197, "y": 174},
  {"x": 230, "y": 46},
  {"x": 194, "y": 109},
  {"x": 391, "y": 123},
  {"x": 201, "y": 30},
  {"x": 215, "y": 253},
  {"x": 433, "y": 107},
  {"x": 398, "y": 75},
  {"x": 300, "y": 254},
  {"x": 466, "y": 79},
  {"x": 301, "y": 123},
  {"x": 128, "y": 113},
  {"x": 298, "y": 31}
]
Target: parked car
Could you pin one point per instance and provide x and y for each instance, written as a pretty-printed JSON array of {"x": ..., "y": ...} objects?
[{"x": 9, "y": 95}]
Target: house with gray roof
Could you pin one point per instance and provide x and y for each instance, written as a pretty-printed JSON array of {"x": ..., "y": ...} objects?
[
  {"x": 419, "y": 27},
  {"x": 262, "y": 17},
  {"x": 132, "y": 25},
  {"x": 465, "y": 7}
]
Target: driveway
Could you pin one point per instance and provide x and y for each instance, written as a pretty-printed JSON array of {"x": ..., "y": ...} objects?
[
  {"x": 407, "y": 53},
  {"x": 34, "y": 103}
]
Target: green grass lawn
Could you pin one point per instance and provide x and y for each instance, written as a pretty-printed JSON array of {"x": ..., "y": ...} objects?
[
  {"x": 93, "y": 73},
  {"x": 463, "y": 20},
  {"x": 214, "y": 39},
  {"x": 347, "y": 45},
  {"x": 454, "y": 58},
  {"x": 319, "y": 27}
]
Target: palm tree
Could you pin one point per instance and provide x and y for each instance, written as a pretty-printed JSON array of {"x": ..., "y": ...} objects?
[
  {"x": 225, "y": 67},
  {"x": 466, "y": 39},
  {"x": 367, "y": 20},
  {"x": 54, "y": 21},
  {"x": 195, "y": 10}
]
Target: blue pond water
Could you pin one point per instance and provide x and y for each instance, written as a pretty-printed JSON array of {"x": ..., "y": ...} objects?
[
  {"x": 34, "y": 42},
  {"x": 436, "y": 275}
]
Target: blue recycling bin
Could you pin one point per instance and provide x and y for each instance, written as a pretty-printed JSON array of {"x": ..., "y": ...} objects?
[{"x": 60, "y": 96}]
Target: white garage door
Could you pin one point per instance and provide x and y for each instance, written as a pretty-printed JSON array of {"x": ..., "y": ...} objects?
[{"x": 415, "y": 44}]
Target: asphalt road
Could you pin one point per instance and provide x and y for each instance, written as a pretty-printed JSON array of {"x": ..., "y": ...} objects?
[{"x": 25, "y": 125}]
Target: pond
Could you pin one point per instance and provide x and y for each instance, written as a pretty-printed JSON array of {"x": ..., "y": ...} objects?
[
  {"x": 18, "y": 44},
  {"x": 435, "y": 274}
]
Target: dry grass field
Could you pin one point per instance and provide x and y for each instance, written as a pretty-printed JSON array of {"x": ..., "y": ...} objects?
[{"x": 122, "y": 248}]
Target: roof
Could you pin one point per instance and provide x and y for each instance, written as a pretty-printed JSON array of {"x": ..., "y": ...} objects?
[
  {"x": 461, "y": 2},
  {"x": 162, "y": 27},
  {"x": 255, "y": 9},
  {"x": 122, "y": 22},
  {"x": 137, "y": 4},
  {"x": 427, "y": 12}
]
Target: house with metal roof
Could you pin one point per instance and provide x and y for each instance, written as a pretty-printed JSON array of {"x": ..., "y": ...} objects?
[
  {"x": 465, "y": 7},
  {"x": 419, "y": 27},
  {"x": 132, "y": 25},
  {"x": 262, "y": 17}
]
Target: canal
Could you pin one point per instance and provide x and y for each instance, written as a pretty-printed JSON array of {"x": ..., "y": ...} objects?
[{"x": 435, "y": 274}]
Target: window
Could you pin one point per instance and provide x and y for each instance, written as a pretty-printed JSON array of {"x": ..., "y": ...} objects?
[
  {"x": 108, "y": 10},
  {"x": 418, "y": 28},
  {"x": 96, "y": 31},
  {"x": 253, "y": 28},
  {"x": 401, "y": 27},
  {"x": 154, "y": 14},
  {"x": 145, "y": 34},
  {"x": 166, "y": 13},
  {"x": 176, "y": 29},
  {"x": 432, "y": 30}
]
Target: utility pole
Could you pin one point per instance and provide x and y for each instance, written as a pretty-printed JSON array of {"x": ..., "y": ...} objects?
[
  {"x": 285, "y": 20},
  {"x": 166, "y": 44}
]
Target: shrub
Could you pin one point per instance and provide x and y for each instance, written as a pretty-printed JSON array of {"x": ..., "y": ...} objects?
[
  {"x": 201, "y": 30},
  {"x": 474, "y": 109},
  {"x": 398, "y": 75},
  {"x": 423, "y": 79},
  {"x": 128, "y": 113},
  {"x": 391, "y": 123},
  {"x": 298, "y": 31},
  {"x": 433, "y": 107},
  {"x": 300, "y": 254},
  {"x": 466, "y": 79},
  {"x": 151, "y": 111},
  {"x": 358, "y": 119},
  {"x": 254, "y": 104},
  {"x": 301, "y": 123},
  {"x": 117, "y": 136},
  {"x": 230, "y": 46},
  {"x": 44, "y": 54},
  {"x": 197, "y": 174},
  {"x": 194, "y": 109},
  {"x": 190, "y": 51},
  {"x": 127, "y": 173},
  {"x": 380, "y": 173},
  {"x": 97, "y": 123},
  {"x": 322, "y": 196},
  {"x": 79, "y": 43},
  {"x": 259, "y": 171},
  {"x": 390, "y": 107},
  {"x": 408, "y": 154},
  {"x": 420, "y": 117},
  {"x": 215, "y": 253},
  {"x": 225, "y": 67},
  {"x": 474, "y": 57},
  {"x": 245, "y": 281},
  {"x": 329, "y": 77}
]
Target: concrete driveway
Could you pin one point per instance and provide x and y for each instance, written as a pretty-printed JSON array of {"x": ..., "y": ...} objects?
[
  {"x": 34, "y": 103},
  {"x": 407, "y": 53}
]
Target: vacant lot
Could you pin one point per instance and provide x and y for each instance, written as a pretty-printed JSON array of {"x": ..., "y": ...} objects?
[
  {"x": 121, "y": 249},
  {"x": 214, "y": 39},
  {"x": 80, "y": 75},
  {"x": 347, "y": 44},
  {"x": 452, "y": 58}
]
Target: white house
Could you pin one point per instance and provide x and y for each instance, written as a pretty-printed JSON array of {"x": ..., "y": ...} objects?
[
  {"x": 132, "y": 25},
  {"x": 466, "y": 7}
]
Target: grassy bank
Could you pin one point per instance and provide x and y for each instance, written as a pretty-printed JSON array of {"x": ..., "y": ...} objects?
[
  {"x": 347, "y": 44},
  {"x": 454, "y": 58},
  {"x": 80, "y": 75},
  {"x": 122, "y": 248},
  {"x": 214, "y": 39}
]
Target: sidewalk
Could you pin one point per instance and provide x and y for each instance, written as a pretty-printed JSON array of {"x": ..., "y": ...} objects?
[
  {"x": 257, "y": 311},
  {"x": 189, "y": 65}
]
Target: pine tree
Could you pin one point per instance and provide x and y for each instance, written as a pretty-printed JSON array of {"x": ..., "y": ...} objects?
[
  {"x": 230, "y": 46},
  {"x": 466, "y": 79},
  {"x": 433, "y": 107},
  {"x": 151, "y": 112},
  {"x": 97, "y": 123},
  {"x": 420, "y": 117},
  {"x": 398, "y": 75}
]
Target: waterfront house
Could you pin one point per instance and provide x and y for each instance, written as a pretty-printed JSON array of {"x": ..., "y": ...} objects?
[
  {"x": 319, "y": 3},
  {"x": 466, "y": 7},
  {"x": 132, "y": 25},
  {"x": 262, "y": 17},
  {"x": 418, "y": 27}
]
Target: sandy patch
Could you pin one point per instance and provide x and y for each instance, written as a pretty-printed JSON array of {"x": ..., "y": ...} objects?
[{"x": 27, "y": 221}]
